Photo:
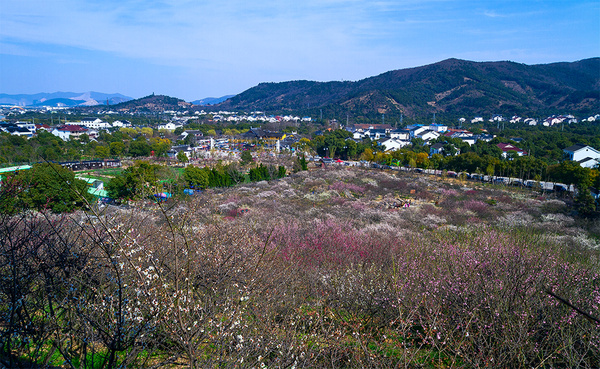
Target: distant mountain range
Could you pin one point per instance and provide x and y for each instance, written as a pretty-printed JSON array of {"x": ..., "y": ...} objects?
[
  {"x": 453, "y": 87},
  {"x": 211, "y": 100},
  {"x": 68, "y": 99},
  {"x": 72, "y": 99}
]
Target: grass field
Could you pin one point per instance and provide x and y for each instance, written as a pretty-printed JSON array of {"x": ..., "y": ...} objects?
[{"x": 101, "y": 174}]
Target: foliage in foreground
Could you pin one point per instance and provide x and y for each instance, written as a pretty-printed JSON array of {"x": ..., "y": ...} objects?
[{"x": 321, "y": 269}]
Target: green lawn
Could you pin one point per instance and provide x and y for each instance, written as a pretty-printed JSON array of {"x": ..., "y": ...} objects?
[{"x": 101, "y": 174}]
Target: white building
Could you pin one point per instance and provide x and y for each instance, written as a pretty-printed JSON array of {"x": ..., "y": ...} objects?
[
  {"x": 531, "y": 121},
  {"x": 169, "y": 126},
  {"x": 586, "y": 156},
  {"x": 93, "y": 123},
  {"x": 27, "y": 125},
  {"x": 428, "y": 135},
  {"x": 440, "y": 128},
  {"x": 121, "y": 123},
  {"x": 401, "y": 134},
  {"x": 392, "y": 144},
  {"x": 417, "y": 130}
]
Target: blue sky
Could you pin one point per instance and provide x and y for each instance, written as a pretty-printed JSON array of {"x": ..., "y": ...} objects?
[{"x": 193, "y": 49}]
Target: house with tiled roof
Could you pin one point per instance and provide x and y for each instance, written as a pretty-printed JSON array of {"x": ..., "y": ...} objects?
[
  {"x": 428, "y": 135},
  {"x": 194, "y": 135},
  {"x": 393, "y": 144},
  {"x": 400, "y": 133},
  {"x": 186, "y": 149},
  {"x": 259, "y": 134},
  {"x": 585, "y": 155},
  {"x": 365, "y": 127},
  {"x": 507, "y": 148},
  {"x": 436, "y": 148},
  {"x": 44, "y": 127},
  {"x": 19, "y": 131},
  {"x": 121, "y": 123},
  {"x": 27, "y": 125},
  {"x": 376, "y": 134},
  {"x": 68, "y": 132},
  {"x": 170, "y": 126},
  {"x": 416, "y": 130},
  {"x": 92, "y": 123},
  {"x": 458, "y": 133}
]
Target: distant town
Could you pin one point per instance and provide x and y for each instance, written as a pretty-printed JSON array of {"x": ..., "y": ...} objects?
[
  {"x": 255, "y": 126},
  {"x": 190, "y": 135}
]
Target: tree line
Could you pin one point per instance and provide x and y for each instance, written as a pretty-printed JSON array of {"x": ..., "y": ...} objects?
[{"x": 144, "y": 179}]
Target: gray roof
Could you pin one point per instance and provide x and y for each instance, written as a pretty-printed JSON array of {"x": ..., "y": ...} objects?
[
  {"x": 586, "y": 160},
  {"x": 574, "y": 148},
  {"x": 17, "y": 129},
  {"x": 179, "y": 148}
]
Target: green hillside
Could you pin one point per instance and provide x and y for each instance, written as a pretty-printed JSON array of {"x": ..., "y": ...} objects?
[{"x": 454, "y": 87}]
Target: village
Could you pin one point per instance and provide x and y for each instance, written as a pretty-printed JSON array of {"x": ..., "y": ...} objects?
[{"x": 180, "y": 138}]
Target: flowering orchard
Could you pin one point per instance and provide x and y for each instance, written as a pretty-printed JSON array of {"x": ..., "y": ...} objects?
[{"x": 319, "y": 269}]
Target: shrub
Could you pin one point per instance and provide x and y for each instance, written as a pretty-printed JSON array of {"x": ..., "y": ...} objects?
[
  {"x": 553, "y": 206},
  {"x": 342, "y": 282}
]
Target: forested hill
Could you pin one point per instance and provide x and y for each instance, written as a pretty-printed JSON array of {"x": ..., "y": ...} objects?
[
  {"x": 453, "y": 86},
  {"x": 151, "y": 103}
]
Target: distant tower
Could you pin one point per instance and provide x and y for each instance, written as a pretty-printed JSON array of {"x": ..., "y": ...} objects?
[
  {"x": 433, "y": 118},
  {"x": 277, "y": 147}
]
